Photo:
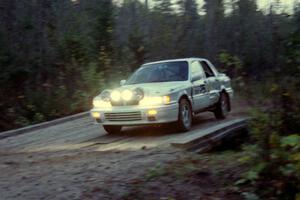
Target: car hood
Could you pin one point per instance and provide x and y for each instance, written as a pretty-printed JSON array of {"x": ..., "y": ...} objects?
[{"x": 157, "y": 89}]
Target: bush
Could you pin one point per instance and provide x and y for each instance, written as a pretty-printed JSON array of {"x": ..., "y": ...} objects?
[{"x": 275, "y": 155}]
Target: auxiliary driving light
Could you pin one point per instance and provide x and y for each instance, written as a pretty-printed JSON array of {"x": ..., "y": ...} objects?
[
  {"x": 96, "y": 115},
  {"x": 115, "y": 95},
  {"x": 127, "y": 95}
]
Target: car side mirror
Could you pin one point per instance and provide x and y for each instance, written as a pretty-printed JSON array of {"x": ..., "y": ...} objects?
[
  {"x": 195, "y": 78},
  {"x": 201, "y": 82},
  {"x": 122, "y": 82}
]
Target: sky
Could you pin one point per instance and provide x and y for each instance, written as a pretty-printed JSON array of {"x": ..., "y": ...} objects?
[{"x": 285, "y": 5}]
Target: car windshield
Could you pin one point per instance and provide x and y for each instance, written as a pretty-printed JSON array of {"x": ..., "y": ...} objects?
[{"x": 160, "y": 72}]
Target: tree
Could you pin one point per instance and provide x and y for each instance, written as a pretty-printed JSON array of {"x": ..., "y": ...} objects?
[
  {"x": 131, "y": 31},
  {"x": 186, "y": 29},
  {"x": 161, "y": 31},
  {"x": 213, "y": 25}
]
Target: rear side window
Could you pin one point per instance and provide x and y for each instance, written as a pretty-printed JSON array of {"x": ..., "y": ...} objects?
[{"x": 208, "y": 71}]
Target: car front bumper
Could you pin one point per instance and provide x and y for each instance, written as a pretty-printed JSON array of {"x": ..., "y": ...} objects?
[{"x": 136, "y": 115}]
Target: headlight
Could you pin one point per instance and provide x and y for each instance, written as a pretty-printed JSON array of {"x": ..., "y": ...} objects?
[
  {"x": 127, "y": 95},
  {"x": 149, "y": 101},
  {"x": 98, "y": 103},
  {"x": 115, "y": 95}
]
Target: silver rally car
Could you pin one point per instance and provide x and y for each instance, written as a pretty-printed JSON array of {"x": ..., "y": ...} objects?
[{"x": 168, "y": 91}]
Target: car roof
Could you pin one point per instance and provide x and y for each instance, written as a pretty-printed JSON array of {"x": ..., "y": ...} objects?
[{"x": 174, "y": 60}]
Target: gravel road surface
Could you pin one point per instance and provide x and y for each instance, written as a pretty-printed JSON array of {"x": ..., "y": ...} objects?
[{"x": 78, "y": 160}]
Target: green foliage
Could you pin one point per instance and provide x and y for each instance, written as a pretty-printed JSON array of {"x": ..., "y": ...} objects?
[
  {"x": 275, "y": 157},
  {"x": 57, "y": 59},
  {"x": 49, "y": 60},
  {"x": 291, "y": 141},
  {"x": 232, "y": 65}
]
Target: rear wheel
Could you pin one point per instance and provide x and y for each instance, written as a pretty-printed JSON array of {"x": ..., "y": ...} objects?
[
  {"x": 112, "y": 128},
  {"x": 185, "y": 116},
  {"x": 223, "y": 106}
]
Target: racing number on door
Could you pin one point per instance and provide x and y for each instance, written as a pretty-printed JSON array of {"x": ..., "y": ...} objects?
[{"x": 200, "y": 90}]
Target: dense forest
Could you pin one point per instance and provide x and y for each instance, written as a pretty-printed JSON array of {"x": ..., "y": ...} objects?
[{"x": 55, "y": 55}]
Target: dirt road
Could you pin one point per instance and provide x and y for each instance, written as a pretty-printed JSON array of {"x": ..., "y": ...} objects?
[{"x": 78, "y": 160}]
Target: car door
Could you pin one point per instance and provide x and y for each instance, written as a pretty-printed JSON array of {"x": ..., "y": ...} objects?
[
  {"x": 212, "y": 82},
  {"x": 200, "y": 93}
]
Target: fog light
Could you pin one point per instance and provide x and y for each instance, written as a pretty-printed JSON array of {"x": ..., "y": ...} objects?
[
  {"x": 151, "y": 118},
  {"x": 96, "y": 115},
  {"x": 152, "y": 112}
]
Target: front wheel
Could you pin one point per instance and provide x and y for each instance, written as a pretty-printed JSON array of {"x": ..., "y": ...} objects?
[
  {"x": 185, "y": 116},
  {"x": 112, "y": 128},
  {"x": 223, "y": 107}
]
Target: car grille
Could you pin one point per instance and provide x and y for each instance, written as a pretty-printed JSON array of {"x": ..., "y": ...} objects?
[
  {"x": 125, "y": 103},
  {"x": 123, "y": 116}
]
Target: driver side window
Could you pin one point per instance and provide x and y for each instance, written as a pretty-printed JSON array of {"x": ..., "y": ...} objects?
[
  {"x": 208, "y": 71},
  {"x": 196, "y": 71}
]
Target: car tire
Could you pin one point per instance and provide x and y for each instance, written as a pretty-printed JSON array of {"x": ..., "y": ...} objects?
[
  {"x": 111, "y": 129},
  {"x": 222, "y": 107},
  {"x": 185, "y": 117}
]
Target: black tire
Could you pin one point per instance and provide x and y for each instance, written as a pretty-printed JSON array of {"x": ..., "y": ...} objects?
[
  {"x": 223, "y": 106},
  {"x": 111, "y": 129},
  {"x": 184, "y": 122}
]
